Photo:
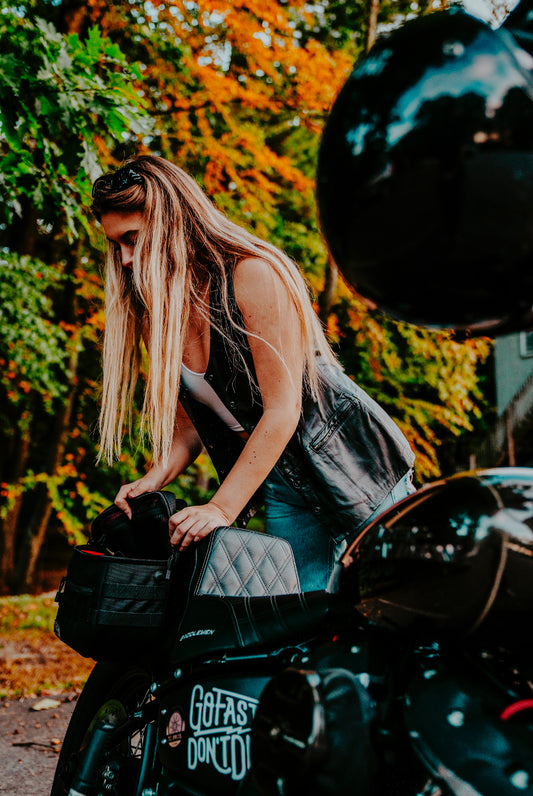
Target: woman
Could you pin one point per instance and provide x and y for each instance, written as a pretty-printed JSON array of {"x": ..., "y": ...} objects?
[{"x": 238, "y": 363}]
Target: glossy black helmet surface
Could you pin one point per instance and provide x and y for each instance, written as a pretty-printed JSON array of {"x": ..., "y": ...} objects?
[
  {"x": 425, "y": 176},
  {"x": 455, "y": 558}
]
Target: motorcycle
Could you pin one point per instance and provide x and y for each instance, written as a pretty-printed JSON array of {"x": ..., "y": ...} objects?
[{"x": 410, "y": 676}]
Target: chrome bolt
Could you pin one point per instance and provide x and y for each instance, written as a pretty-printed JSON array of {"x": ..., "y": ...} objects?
[
  {"x": 456, "y": 718},
  {"x": 520, "y": 779},
  {"x": 364, "y": 679},
  {"x": 453, "y": 49}
]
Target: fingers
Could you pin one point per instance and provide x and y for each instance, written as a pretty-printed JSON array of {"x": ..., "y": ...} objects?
[
  {"x": 126, "y": 491},
  {"x": 120, "y": 499},
  {"x": 194, "y": 523},
  {"x": 186, "y": 528}
]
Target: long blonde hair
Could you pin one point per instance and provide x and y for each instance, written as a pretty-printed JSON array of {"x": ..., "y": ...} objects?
[{"x": 184, "y": 241}]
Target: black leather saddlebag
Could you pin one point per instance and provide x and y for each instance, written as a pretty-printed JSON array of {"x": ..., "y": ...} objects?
[{"x": 113, "y": 601}]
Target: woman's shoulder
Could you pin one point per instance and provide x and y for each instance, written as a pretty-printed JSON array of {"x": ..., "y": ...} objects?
[
  {"x": 256, "y": 279},
  {"x": 251, "y": 268}
]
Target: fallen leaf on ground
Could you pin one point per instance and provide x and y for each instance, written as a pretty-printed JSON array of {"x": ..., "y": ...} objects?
[{"x": 46, "y": 704}]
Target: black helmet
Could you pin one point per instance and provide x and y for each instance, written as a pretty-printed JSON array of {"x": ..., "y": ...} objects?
[
  {"x": 425, "y": 176},
  {"x": 455, "y": 558}
]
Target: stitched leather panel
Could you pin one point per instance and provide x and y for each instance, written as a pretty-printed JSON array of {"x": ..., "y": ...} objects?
[{"x": 248, "y": 564}]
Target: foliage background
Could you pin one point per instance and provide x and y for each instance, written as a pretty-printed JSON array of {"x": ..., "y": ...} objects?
[{"x": 236, "y": 92}]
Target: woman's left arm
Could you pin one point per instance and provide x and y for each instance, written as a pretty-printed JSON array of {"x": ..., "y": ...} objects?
[{"x": 274, "y": 335}]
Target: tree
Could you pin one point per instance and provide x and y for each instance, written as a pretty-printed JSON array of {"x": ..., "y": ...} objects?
[
  {"x": 429, "y": 382},
  {"x": 235, "y": 92},
  {"x": 57, "y": 93}
]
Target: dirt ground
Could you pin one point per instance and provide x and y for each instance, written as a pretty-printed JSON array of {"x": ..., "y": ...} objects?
[
  {"x": 36, "y": 666},
  {"x": 30, "y": 741},
  {"x": 49, "y": 676}
]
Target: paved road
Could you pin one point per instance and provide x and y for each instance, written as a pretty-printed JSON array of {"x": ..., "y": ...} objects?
[{"x": 30, "y": 742}]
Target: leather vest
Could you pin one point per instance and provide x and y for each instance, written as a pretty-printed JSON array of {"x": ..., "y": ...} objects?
[{"x": 346, "y": 454}]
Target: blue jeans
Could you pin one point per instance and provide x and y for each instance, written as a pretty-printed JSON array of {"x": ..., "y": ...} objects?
[{"x": 315, "y": 552}]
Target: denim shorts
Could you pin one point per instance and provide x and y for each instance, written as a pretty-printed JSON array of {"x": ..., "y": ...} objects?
[{"x": 290, "y": 517}]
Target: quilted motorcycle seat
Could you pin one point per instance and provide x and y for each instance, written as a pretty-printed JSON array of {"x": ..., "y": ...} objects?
[
  {"x": 248, "y": 564},
  {"x": 245, "y": 593}
]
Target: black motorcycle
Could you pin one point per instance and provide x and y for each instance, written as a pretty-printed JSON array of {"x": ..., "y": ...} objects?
[{"x": 412, "y": 676}]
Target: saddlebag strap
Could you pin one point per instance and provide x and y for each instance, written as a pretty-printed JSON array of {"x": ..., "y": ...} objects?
[{"x": 212, "y": 623}]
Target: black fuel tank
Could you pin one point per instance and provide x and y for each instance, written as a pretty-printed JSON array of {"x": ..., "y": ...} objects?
[{"x": 455, "y": 558}]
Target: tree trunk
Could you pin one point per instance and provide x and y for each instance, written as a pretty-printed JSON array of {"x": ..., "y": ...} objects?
[
  {"x": 34, "y": 535},
  {"x": 22, "y": 232},
  {"x": 326, "y": 298},
  {"x": 35, "y": 543},
  {"x": 372, "y": 24},
  {"x": 74, "y": 16},
  {"x": 9, "y": 525}
]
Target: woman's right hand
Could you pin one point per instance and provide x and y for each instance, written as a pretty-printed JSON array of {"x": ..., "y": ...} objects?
[{"x": 148, "y": 483}]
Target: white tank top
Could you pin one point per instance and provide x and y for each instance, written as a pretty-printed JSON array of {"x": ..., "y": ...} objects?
[{"x": 205, "y": 394}]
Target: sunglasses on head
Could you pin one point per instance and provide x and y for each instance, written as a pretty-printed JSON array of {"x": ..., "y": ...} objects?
[{"x": 118, "y": 181}]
